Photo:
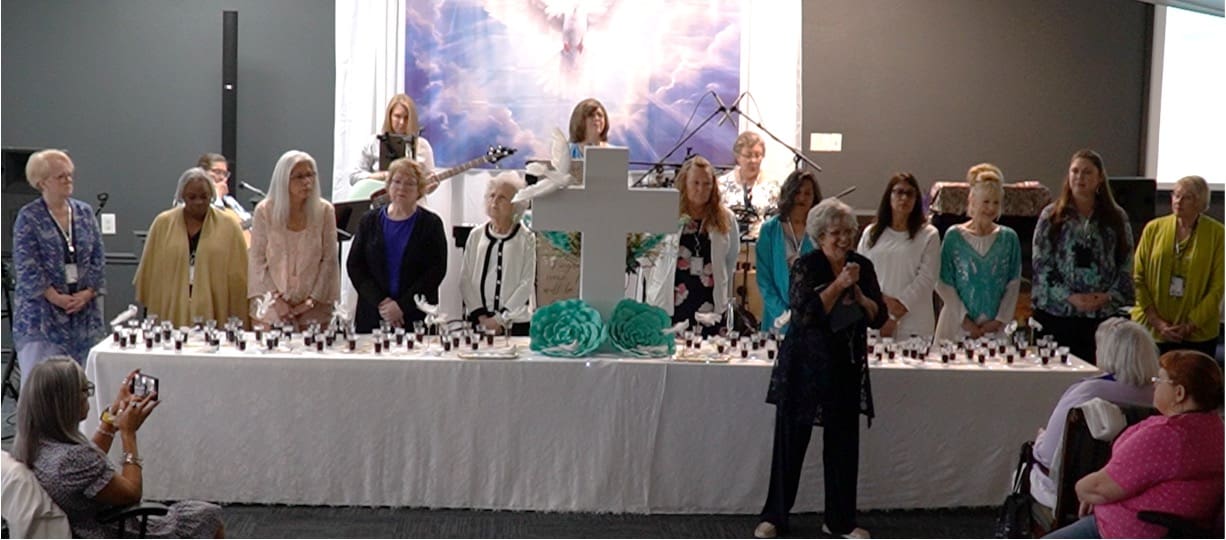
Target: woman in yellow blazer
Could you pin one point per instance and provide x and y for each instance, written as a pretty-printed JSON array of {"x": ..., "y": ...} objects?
[
  {"x": 1178, "y": 272},
  {"x": 195, "y": 258}
]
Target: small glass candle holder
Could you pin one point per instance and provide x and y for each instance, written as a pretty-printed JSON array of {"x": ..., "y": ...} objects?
[
  {"x": 352, "y": 344},
  {"x": 378, "y": 346}
]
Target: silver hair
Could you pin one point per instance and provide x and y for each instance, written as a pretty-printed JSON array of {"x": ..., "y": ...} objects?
[
  {"x": 987, "y": 182},
  {"x": 191, "y": 175},
  {"x": 516, "y": 183},
  {"x": 49, "y": 408},
  {"x": 278, "y": 189},
  {"x": 1127, "y": 350},
  {"x": 1196, "y": 184},
  {"x": 825, "y": 214},
  {"x": 39, "y": 165}
]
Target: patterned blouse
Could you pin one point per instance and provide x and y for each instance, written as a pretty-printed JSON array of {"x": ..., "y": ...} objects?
[
  {"x": 981, "y": 280},
  {"x": 1083, "y": 259},
  {"x": 39, "y": 254},
  {"x": 74, "y": 474}
]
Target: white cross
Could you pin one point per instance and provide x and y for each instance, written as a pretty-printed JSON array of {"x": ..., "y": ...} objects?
[{"x": 606, "y": 210}]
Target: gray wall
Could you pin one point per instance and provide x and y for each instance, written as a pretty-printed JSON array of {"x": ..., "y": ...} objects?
[
  {"x": 935, "y": 86},
  {"x": 132, "y": 89}
]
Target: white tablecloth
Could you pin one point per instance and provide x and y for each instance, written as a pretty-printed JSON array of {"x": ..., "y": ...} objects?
[{"x": 537, "y": 433}]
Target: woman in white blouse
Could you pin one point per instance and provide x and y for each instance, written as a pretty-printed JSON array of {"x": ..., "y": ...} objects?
[
  {"x": 499, "y": 267},
  {"x": 400, "y": 119},
  {"x": 906, "y": 251}
]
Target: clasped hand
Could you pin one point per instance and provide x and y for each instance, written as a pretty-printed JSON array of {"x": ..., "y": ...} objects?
[
  {"x": 390, "y": 311},
  {"x": 71, "y": 303},
  {"x": 1089, "y": 301}
]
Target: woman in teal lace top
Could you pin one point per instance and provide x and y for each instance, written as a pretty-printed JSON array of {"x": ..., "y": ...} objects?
[
  {"x": 981, "y": 264},
  {"x": 1082, "y": 257}
]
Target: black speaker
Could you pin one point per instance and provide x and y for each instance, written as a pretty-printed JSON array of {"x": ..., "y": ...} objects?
[
  {"x": 229, "y": 92},
  {"x": 1137, "y": 197}
]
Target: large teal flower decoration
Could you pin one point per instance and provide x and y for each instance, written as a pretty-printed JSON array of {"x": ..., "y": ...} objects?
[
  {"x": 568, "y": 328},
  {"x": 637, "y": 329}
]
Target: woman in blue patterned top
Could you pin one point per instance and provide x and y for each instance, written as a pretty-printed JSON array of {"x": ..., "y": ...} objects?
[
  {"x": 59, "y": 261},
  {"x": 981, "y": 263},
  {"x": 1082, "y": 257}
]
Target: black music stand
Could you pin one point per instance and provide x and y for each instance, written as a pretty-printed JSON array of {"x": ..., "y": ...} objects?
[{"x": 393, "y": 146}]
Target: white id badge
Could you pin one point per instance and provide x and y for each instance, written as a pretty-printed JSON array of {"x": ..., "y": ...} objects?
[
  {"x": 1176, "y": 290},
  {"x": 191, "y": 274},
  {"x": 70, "y": 273},
  {"x": 696, "y": 266}
]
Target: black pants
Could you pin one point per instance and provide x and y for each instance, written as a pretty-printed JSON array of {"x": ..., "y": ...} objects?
[
  {"x": 840, "y": 462},
  {"x": 1207, "y": 347},
  {"x": 1076, "y": 333}
]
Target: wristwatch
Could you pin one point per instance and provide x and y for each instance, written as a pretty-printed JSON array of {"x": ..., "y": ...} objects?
[{"x": 106, "y": 417}]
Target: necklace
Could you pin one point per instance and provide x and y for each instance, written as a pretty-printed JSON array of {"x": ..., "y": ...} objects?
[{"x": 794, "y": 239}]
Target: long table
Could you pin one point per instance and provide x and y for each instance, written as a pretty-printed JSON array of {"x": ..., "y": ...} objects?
[{"x": 536, "y": 433}]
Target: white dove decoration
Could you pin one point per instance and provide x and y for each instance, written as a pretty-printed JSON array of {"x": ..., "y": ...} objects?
[
  {"x": 782, "y": 320},
  {"x": 263, "y": 305},
  {"x": 707, "y": 319},
  {"x": 1035, "y": 325},
  {"x": 340, "y": 316},
  {"x": 551, "y": 180},
  {"x": 425, "y": 307},
  {"x": 676, "y": 328}
]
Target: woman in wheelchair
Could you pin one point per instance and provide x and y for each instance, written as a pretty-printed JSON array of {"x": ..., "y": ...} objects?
[
  {"x": 1169, "y": 463},
  {"x": 75, "y": 471},
  {"x": 1129, "y": 359}
]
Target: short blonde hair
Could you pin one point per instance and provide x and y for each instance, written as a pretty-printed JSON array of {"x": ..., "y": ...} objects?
[
  {"x": 1197, "y": 184},
  {"x": 986, "y": 177},
  {"x": 515, "y": 182},
  {"x": 39, "y": 165},
  {"x": 406, "y": 165},
  {"x": 826, "y": 214},
  {"x": 1127, "y": 350}
]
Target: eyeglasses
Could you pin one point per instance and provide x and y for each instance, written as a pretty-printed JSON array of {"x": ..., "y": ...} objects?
[
  {"x": 303, "y": 176},
  {"x": 1161, "y": 380},
  {"x": 88, "y": 390},
  {"x": 220, "y": 173},
  {"x": 753, "y": 156},
  {"x": 903, "y": 193}
]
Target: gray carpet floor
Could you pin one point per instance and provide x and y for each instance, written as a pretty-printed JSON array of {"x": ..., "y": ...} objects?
[{"x": 263, "y": 521}]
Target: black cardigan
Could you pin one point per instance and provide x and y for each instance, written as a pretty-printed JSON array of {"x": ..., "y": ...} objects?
[{"x": 421, "y": 270}]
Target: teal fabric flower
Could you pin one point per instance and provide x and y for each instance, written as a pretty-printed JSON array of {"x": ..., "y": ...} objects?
[
  {"x": 567, "y": 328},
  {"x": 637, "y": 329}
]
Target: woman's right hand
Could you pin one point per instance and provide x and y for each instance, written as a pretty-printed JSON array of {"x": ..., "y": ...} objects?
[
  {"x": 971, "y": 328},
  {"x": 132, "y": 415},
  {"x": 379, "y": 175},
  {"x": 849, "y": 276}
]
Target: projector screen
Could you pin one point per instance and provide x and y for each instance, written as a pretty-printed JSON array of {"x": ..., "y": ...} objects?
[{"x": 1189, "y": 52}]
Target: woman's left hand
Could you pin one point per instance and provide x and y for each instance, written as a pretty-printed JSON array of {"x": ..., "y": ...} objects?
[
  {"x": 390, "y": 311},
  {"x": 1084, "y": 509},
  {"x": 991, "y": 327},
  {"x": 897, "y": 309}
]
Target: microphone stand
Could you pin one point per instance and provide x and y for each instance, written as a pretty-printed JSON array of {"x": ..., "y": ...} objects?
[
  {"x": 797, "y": 155},
  {"x": 659, "y": 165}
]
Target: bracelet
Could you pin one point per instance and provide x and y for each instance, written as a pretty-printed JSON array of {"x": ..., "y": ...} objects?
[
  {"x": 107, "y": 433},
  {"x": 130, "y": 458}
]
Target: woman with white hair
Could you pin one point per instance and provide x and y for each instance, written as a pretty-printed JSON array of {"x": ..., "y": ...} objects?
[
  {"x": 981, "y": 264},
  {"x": 75, "y": 471},
  {"x": 499, "y": 268},
  {"x": 195, "y": 259},
  {"x": 1177, "y": 272},
  {"x": 1128, "y": 358},
  {"x": 821, "y": 377},
  {"x": 59, "y": 263},
  {"x": 293, "y": 247}
]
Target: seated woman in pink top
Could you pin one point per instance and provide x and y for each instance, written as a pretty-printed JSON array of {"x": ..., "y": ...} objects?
[
  {"x": 293, "y": 248},
  {"x": 1168, "y": 463}
]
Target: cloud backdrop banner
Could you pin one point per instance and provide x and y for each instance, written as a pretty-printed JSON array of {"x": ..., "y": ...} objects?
[{"x": 508, "y": 72}]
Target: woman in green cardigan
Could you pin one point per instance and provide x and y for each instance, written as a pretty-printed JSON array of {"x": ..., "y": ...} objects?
[
  {"x": 1178, "y": 272},
  {"x": 781, "y": 241}
]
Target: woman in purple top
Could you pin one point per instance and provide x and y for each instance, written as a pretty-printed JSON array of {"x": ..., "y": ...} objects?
[
  {"x": 400, "y": 251},
  {"x": 76, "y": 472},
  {"x": 1129, "y": 358}
]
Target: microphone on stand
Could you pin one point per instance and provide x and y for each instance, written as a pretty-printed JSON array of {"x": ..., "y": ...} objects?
[
  {"x": 102, "y": 198},
  {"x": 845, "y": 192},
  {"x": 252, "y": 188}
]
